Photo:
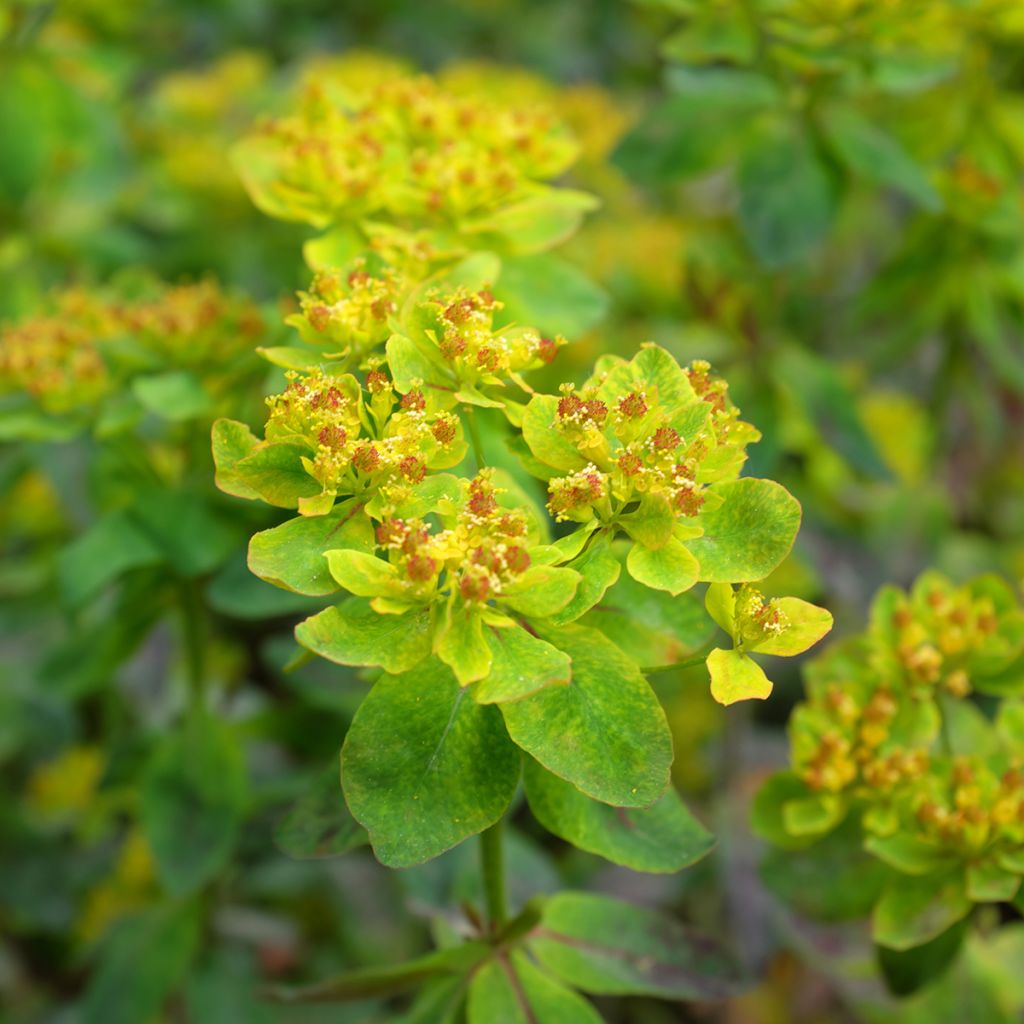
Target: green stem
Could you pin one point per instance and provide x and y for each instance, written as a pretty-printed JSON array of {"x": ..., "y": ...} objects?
[
  {"x": 492, "y": 865},
  {"x": 474, "y": 438},
  {"x": 192, "y": 634}
]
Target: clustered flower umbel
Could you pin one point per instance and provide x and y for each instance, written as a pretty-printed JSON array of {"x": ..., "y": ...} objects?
[
  {"x": 643, "y": 454},
  {"x": 348, "y": 312},
  {"x": 475, "y": 559},
  {"x": 61, "y": 358},
  {"x": 326, "y": 413},
  {"x": 936, "y": 634},
  {"x": 466, "y": 338},
  {"x": 756, "y": 619},
  {"x": 409, "y": 148},
  {"x": 852, "y": 737}
]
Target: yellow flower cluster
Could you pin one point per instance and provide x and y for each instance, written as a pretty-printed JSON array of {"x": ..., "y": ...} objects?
[
  {"x": 641, "y": 442},
  {"x": 466, "y": 339},
  {"x": 86, "y": 345},
  {"x": 483, "y": 551},
  {"x": 877, "y": 724},
  {"x": 326, "y": 415},
  {"x": 347, "y": 314},
  {"x": 405, "y": 149}
]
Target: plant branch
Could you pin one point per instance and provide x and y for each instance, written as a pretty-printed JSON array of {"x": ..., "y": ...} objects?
[
  {"x": 474, "y": 438},
  {"x": 492, "y": 866}
]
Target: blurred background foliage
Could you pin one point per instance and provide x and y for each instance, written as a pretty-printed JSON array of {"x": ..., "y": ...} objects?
[{"x": 823, "y": 199}]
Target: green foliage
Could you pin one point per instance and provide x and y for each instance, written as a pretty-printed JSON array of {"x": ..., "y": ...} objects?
[{"x": 892, "y": 757}]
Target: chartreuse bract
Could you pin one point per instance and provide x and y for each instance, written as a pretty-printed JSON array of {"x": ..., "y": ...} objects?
[
  {"x": 908, "y": 761},
  {"x": 504, "y": 563}
]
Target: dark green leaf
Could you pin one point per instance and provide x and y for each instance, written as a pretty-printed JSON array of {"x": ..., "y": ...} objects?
[
  {"x": 424, "y": 765},
  {"x": 192, "y": 798},
  {"x": 607, "y": 947},
  {"x": 661, "y": 838},
  {"x": 320, "y": 824},
  {"x": 605, "y": 732},
  {"x": 144, "y": 960}
]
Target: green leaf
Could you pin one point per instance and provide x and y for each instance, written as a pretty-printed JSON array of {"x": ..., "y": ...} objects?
[
  {"x": 767, "y": 816},
  {"x": 599, "y": 569},
  {"x": 652, "y": 523},
  {"x": 545, "y": 440},
  {"x": 193, "y": 535},
  {"x": 607, "y": 947},
  {"x": 408, "y": 363},
  {"x": 113, "y": 545},
  {"x": 460, "y": 644},
  {"x": 652, "y": 628},
  {"x": 334, "y": 248},
  {"x": 909, "y": 854},
  {"x": 144, "y": 960},
  {"x": 177, "y": 395},
  {"x": 521, "y": 664},
  {"x": 664, "y": 837},
  {"x": 292, "y": 555},
  {"x": 833, "y": 880},
  {"x": 987, "y": 882},
  {"x": 909, "y": 970},
  {"x": 671, "y": 568},
  {"x": 275, "y": 472},
  {"x": 320, "y": 824},
  {"x": 734, "y": 676},
  {"x": 748, "y": 534},
  {"x": 541, "y": 591},
  {"x": 871, "y": 152},
  {"x": 813, "y": 815},
  {"x": 231, "y": 442},
  {"x": 544, "y": 291},
  {"x": 720, "y": 602},
  {"x": 510, "y": 989},
  {"x": 806, "y": 624},
  {"x": 193, "y": 796},
  {"x": 537, "y": 222},
  {"x": 787, "y": 199},
  {"x": 915, "y": 909},
  {"x": 352, "y": 633},
  {"x": 364, "y": 574},
  {"x": 424, "y": 765},
  {"x": 238, "y": 594},
  {"x": 605, "y": 732}
]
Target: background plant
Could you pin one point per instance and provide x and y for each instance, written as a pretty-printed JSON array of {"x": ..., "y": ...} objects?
[{"x": 859, "y": 356}]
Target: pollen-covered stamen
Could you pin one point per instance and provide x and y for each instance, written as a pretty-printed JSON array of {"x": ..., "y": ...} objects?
[
  {"x": 420, "y": 568},
  {"x": 366, "y": 458},
  {"x": 413, "y": 401},
  {"x": 517, "y": 559},
  {"x": 332, "y": 436},
  {"x": 377, "y": 382},
  {"x": 412, "y": 469},
  {"x": 633, "y": 406},
  {"x": 629, "y": 463},
  {"x": 574, "y": 493},
  {"x": 547, "y": 350},
  {"x": 687, "y": 500},
  {"x": 665, "y": 439},
  {"x": 443, "y": 429},
  {"x": 482, "y": 503}
]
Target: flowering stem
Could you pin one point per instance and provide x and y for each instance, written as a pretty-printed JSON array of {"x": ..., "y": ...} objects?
[
  {"x": 474, "y": 437},
  {"x": 492, "y": 866}
]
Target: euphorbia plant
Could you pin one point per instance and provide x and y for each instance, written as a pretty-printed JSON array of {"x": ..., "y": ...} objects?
[
  {"x": 506, "y": 624},
  {"x": 910, "y": 788}
]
